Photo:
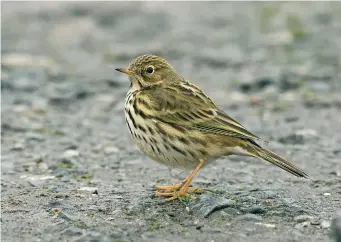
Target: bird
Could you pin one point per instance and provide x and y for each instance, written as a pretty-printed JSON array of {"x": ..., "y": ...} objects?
[{"x": 175, "y": 123}]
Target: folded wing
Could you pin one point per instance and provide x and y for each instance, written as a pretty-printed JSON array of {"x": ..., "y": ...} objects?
[{"x": 189, "y": 107}]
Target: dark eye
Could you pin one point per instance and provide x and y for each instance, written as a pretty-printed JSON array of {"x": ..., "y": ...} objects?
[{"x": 150, "y": 70}]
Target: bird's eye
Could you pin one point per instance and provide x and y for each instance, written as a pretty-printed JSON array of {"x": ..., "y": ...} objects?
[{"x": 150, "y": 70}]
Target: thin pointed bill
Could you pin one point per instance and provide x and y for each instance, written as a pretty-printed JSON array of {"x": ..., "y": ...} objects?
[{"x": 125, "y": 71}]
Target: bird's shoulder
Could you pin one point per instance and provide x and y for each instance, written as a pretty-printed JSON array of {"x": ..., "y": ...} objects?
[{"x": 183, "y": 95}]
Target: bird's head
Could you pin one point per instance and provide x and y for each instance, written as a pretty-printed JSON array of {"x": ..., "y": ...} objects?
[{"x": 149, "y": 70}]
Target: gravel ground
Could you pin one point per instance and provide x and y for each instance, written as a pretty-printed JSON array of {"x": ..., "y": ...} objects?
[{"x": 69, "y": 168}]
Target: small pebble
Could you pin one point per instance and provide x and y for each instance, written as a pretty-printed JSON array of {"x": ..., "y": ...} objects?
[
  {"x": 37, "y": 181},
  {"x": 257, "y": 209},
  {"x": 18, "y": 146},
  {"x": 291, "y": 119},
  {"x": 39, "y": 105},
  {"x": 315, "y": 222},
  {"x": 325, "y": 224},
  {"x": 302, "y": 225},
  {"x": 307, "y": 133},
  {"x": 110, "y": 150},
  {"x": 326, "y": 194},
  {"x": 72, "y": 232},
  {"x": 89, "y": 189},
  {"x": 19, "y": 108},
  {"x": 250, "y": 199},
  {"x": 237, "y": 97},
  {"x": 232, "y": 211},
  {"x": 70, "y": 154},
  {"x": 271, "y": 226},
  {"x": 97, "y": 148},
  {"x": 64, "y": 216},
  {"x": 270, "y": 195},
  {"x": 34, "y": 136},
  {"x": 336, "y": 173},
  {"x": 289, "y": 201},
  {"x": 319, "y": 86}
]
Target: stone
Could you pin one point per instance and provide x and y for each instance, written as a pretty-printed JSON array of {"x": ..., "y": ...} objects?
[
  {"x": 319, "y": 86},
  {"x": 89, "y": 189},
  {"x": 205, "y": 205},
  {"x": 110, "y": 150},
  {"x": 39, "y": 105},
  {"x": 270, "y": 226},
  {"x": 65, "y": 216},
  {"x": 37, "y": 181},
  {"x": 307, "y": 133},
  {"x": 315, "y": 222},
  {"x": 232, "y": 211},
  {"x": 18, "y": 146},
  {"x": 72, "y": 231},
  {"x": 302, "y": 225},
  {"x": 270, "y": 195},
  {"x": 325, "y": 224},
  {"x": 34, "y": 136},
  {"x": 70, "y": 154},
  {"x": 257, "y": 209}
]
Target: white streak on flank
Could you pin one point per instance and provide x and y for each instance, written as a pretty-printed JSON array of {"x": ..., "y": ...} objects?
[{"x": 237, "y": 150}]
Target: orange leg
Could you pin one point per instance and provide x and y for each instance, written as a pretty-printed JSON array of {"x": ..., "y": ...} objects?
[
  {"x": 180, "y": 190},
  {"x": 175, "y": 187}
]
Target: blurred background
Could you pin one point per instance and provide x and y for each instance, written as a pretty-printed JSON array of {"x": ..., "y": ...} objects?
[
  {"x": 248, "y": 46},
  {"x": 274, "y": 66}
]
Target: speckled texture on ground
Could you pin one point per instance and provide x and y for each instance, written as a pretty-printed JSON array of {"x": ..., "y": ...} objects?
[{"x": 69, "y": 169}]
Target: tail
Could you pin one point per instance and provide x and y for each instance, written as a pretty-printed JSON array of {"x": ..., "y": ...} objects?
[{"x": 278, "y": 161}]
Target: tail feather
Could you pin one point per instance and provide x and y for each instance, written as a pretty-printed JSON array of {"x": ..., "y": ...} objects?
[{"x": 278, "y": 161}]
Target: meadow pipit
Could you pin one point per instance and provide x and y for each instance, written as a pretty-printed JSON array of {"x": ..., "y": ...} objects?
[{"x": 175, "y": 123}]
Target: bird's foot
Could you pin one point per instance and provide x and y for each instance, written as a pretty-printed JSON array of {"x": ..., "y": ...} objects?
[
  {"x": 175, "y": 195},
  {"x": 176, "y": 192},
  {"x": 180, "y": 191}
]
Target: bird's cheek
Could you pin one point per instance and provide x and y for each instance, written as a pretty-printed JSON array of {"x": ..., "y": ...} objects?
[{"x": 156, "y": 78}]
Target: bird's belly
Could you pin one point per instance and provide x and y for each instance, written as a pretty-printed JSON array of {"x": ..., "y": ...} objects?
[{"x": 158, "y": 146}]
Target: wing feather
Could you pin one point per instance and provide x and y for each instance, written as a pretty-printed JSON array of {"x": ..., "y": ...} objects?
[{"x": 189, "y": 107}]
